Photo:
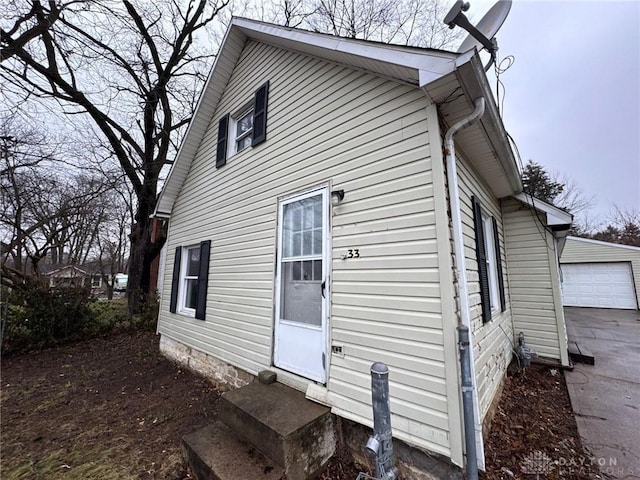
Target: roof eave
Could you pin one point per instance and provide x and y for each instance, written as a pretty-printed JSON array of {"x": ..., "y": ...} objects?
[
  {"x": 555, "y": 215},
  {"x": 167, "y": 197},
  {"x": 602, "y": 242},
  {"x": 428, "y": 67},
  {"x": 474, "y": 83}
]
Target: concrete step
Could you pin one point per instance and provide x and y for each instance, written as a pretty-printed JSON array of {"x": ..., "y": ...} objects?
[
  {"x": 216, "y": 453},
  {"x": 294, "y": 432}
]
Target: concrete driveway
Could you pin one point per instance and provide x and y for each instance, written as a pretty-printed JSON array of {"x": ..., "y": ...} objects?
[{"x": 606, "y": 396}]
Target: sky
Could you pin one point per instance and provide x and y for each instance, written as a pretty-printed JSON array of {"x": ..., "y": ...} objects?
[
  {"x": 572, "y": 99},
  {"x": 572, "y": 96}
]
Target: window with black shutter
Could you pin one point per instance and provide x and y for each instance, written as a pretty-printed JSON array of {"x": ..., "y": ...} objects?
[
  {"x": 223, "y": 133},
  {"x": 189, "y": 281},
  {"x": 496, "y": 246},
  {"x": 244, "y": 128},
  {"x": 260, "y": 115},
  {"x": 489, "y": 257}
]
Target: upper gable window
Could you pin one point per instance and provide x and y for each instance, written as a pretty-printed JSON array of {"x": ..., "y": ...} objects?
[{"x": 244, "y": 129}]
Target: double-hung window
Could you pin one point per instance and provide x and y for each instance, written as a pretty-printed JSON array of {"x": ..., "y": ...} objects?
[
  {"x": 189, "y": 279},
  {"x": 492, "y": 262},
  {"x": 245, "y": 128},
  {"x": 189, "y": 282},
  {"x": 489, "y": 262}
]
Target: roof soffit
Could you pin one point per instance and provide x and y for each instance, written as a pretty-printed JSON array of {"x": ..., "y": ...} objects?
[{"x": 485, "y": 143}]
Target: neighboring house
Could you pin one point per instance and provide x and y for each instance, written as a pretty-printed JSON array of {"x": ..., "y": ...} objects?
[
  {"x": 600, "y": 274},
  {"x": 316, "y": 222},
  {"x": 71, "y": 276}
]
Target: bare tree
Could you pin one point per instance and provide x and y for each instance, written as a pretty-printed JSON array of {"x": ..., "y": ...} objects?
[
  {"x": 26, "y": 195},
  {"x": 46, "y": 218},
  {"x": 131, "y": 73},
  {"x": 133, "y": 70},
  {"x": 622, "y": 226},
  {"x": 403, "y": 22},
  {"x": 572, "y": 198},
  {"x": 112, "y": 244},
  {"x": 49, "y": 213}
]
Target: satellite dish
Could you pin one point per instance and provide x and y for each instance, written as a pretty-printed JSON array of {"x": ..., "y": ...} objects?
[{"x": 483, "y": 34}]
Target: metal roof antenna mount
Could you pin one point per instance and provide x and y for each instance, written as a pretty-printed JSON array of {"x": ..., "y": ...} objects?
[{"x": 482, "y": 35}]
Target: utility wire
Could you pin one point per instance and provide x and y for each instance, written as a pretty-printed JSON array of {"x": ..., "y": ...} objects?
[{"x": 501, "y": 67}]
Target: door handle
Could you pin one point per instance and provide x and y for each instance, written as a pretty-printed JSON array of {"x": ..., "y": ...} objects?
[{"x": 322, "y": 285}]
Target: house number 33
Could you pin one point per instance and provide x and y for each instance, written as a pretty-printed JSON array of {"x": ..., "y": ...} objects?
[{"x": 352, "y": 253}]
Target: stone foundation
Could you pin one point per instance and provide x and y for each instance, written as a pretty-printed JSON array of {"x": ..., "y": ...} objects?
[
  {"x": 493, "y": 408},
  {"x": 413, "y": 463},
  {"x": 224, "y": 376}
]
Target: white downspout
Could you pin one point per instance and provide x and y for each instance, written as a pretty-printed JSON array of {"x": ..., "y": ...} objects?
[{"x": 461, "y": 269}]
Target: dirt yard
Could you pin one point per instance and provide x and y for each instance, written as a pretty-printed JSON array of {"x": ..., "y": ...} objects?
[
  {"x": 116, "y": 409},
  {"x": 107, "y": 409}
]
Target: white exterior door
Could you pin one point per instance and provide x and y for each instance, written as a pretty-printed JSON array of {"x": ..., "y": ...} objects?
[
  {"x": 601, "y": 285},
  {"x": 302, "y": 286}
]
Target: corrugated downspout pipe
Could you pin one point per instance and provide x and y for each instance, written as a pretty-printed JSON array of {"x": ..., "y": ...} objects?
[{"x": 464, "y": 337}]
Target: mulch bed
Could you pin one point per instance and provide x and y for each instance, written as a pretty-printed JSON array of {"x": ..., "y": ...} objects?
[
  {"x": 533, "y": 433},
  {"x": 116, "y": 409}
]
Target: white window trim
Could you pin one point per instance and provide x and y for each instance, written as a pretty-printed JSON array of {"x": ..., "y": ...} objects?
[
  {"x": 93, "y": 283},
  {"x": 492, "y": 266},
  {"x": 232, "y": 141},
  {"x": 182, "y": 292}
]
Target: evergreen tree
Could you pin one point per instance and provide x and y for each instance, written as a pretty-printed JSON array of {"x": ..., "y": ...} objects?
[{"x": 537, "y": 183}]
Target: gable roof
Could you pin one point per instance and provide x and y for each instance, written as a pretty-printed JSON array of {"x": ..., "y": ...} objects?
[
  {"x": 606, "y": 244},
  {"x": 74, "y": 271},
  {"x": 556, "y": 217},
  {"x": 437, "y": 72}
]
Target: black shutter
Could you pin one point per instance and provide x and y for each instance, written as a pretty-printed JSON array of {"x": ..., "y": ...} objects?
[
  {"x": 481, "y": 256},
  {"x": 223, "y": 135},
  {"x": 503, "y": 302},
  {"x": 260, "y": 115},
  {"x": 203, "y": 277},
  {"x": 175, "y": 281}
]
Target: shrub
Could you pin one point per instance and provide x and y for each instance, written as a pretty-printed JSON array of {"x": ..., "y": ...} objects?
[
  {"x": 110, "y": 315},
  {"x": 148, "y": 316},
  {"x": 39, "y": 317}
]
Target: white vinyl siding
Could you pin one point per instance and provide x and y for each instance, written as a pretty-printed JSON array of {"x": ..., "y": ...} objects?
[
  {"x": 363, "y": 134},
  {"x": 491, "y": 340},
  {"x": 535, "y": 294},
  {"x": 580, "y": 250}
]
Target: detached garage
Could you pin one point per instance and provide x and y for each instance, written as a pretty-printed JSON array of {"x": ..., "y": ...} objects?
[{"x": 600, "y": 274}]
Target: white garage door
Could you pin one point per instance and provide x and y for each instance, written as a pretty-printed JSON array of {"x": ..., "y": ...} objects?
[{"x": 602, "y": 285}]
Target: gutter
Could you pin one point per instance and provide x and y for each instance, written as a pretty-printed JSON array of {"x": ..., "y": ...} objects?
[
  {"x": 471, "y": 411},
  {"x": 474, "y": 84}
]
